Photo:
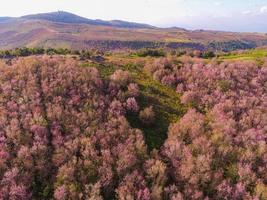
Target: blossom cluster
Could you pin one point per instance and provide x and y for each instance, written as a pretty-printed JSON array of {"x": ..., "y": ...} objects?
[
  {"x": 63, "y": 133},
  {"x": 218, "y": 149}
]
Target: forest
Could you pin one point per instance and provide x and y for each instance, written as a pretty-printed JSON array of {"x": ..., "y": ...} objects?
[{"x": 146, "y": 125}]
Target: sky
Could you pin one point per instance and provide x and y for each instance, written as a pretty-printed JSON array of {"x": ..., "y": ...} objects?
[{"x": 228, "y": 15}]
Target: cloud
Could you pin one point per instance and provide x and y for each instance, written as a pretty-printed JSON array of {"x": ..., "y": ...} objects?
[
  {"x": 263, "y": 9},
  {"x": 247, "y": 12},
  {"x": 256, "y": 12}
]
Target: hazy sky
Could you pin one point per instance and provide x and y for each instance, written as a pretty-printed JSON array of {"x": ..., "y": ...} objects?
[{"x": 234, "y": 15}]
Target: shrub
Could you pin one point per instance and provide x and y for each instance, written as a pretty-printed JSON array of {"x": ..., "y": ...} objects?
[
  {"x": 151, "y": 52},
  {"x": 160, "y": 64},
  {"x": 208, "y": 54},
  {"x": 180, "y": 53},
  {"x": 120, "y": 77},
  {"x": 147, "y": 116},
  {"x": 133, "y": 90},
  {"x": 197, "y": 53},
  {"x": 224, "y": 85},
  {"x": 132, "y": 105},
  {"x": 169, "y": 80},
  {"x": 84, "y": 55}
]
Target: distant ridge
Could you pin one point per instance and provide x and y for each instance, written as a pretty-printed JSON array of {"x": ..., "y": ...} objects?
[
  {"x": 66, "y": 30},
  {"x": 4, "y": 19},
  {"x": 66, "y": 17}
]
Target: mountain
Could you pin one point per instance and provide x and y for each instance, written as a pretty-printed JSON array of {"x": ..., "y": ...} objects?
[
  {"x": 67, "y": 30},
  {"x": 4, "y": 19},
  {"x": 66, "y": 17}
]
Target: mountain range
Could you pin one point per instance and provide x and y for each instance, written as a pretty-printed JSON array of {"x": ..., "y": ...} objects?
[{"x": 67, "y": 30}]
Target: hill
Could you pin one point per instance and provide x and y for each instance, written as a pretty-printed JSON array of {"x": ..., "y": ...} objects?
[
  {"x": 4, "y": 19},
  {"x": 63, "y": 29},
  {"x": 66, "y": 17},
  {"x": 133, "y": 127}
]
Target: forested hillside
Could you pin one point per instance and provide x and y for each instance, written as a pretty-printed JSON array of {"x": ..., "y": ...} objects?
[{"x": 145, "y": 125}]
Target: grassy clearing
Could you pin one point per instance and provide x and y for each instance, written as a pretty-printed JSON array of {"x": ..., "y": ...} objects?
[
  {"x": 254, "y": 54},
  {"x": 165, "y": 101}
]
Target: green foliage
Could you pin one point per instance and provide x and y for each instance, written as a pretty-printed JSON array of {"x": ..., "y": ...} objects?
[
  {"x": 232, "y": 173},
  {"x": 21, "y": 52},
  {"x": 25, "y": 51},
  {"x": 224, "y": 85},
  {"x": 85, "y": 55},
  {"x": 150, "y": 52},
  {"x": 180, "y": 53},
  {"x": 147, "y": 116},
  {"x": 231, "y": 45},
  {"x": 254, "y": 54},
  {"x": 208, "y": 54},
  {"x": 60, "y": 51}
]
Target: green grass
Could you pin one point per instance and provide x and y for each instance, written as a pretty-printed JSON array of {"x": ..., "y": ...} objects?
[
  {"x": 165, "y": 102},
  {"x": 254, "y": 54}
]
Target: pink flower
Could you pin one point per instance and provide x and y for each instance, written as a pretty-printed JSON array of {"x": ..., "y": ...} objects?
[
  {"x": 132, "y": 105},
  {"x": 133, "y": 90},
  {"x": 60, "y": 193}
]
